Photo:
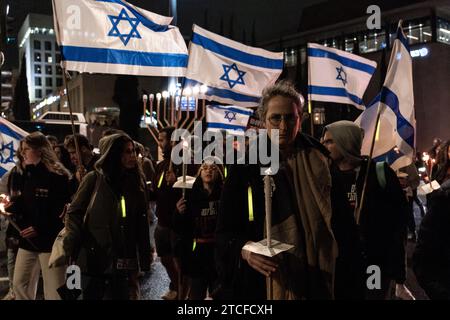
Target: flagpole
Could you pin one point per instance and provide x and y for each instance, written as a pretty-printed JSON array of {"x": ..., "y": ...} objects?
[
  {"x": 359, "y": 206},
  {"x": 310, "y": 98},
  {"x": 311, "y": 115},
  {"x": 77, "y": 148}
]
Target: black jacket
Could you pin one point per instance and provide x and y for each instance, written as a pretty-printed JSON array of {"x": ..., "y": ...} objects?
[
  {"x": 383, "y": 222},
  {"x": 41, "y": 200},
  {"x": 198, "y": 224},
  {"x": 431, "y": 259}
]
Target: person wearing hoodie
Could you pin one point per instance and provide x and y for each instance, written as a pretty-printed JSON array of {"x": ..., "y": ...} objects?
[
  {"x": 107, "y": 231},
  {"x": 195, "y": 221},
  {"x": 382, "y": 219}
]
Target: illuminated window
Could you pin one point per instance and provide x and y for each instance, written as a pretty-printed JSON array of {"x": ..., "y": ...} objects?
[
  {"x": 37, "y": 57},
  {"x": 443, "y": 31}
]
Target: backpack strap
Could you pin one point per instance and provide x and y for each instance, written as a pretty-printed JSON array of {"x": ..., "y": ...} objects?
[{"x": 381, "y": 174}]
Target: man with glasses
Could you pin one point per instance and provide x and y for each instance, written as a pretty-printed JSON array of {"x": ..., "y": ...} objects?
[{"x": 301, "y": 212}]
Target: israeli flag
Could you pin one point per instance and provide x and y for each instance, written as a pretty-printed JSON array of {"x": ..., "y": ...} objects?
[
  {"x": 338, "y": 76},
  {"x": 113, "y": 36},
  {"x": 232, "y": 119},
  {"x": 395, "y": 139},
  {"x": 10, "y": 136},
  {"x": 234, "y": 73}
]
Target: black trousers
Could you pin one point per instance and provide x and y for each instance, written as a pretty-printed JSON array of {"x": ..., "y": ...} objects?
[{"x": 106, "y": 287}]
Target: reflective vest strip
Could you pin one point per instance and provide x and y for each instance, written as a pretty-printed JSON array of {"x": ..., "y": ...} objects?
[
  {"x": 250, "y": 204},
  {"x": 194, "y": 244},
  {"x": 160, "y": 180},
  {"x": 225, "y": 172},
  {"x": 123, "y": 206}
]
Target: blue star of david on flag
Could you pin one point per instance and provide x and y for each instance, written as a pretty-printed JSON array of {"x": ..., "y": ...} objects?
[
  {"x": 230, "y": 115},
  {"x": 115, "y": 32},
  {"x": 226, "y": 75},
  {"x": 341, "y": 75},
  {"x": 7, "y": 147}
]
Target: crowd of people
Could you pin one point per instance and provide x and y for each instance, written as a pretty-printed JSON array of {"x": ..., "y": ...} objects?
[{"x": 107, "y": 201}]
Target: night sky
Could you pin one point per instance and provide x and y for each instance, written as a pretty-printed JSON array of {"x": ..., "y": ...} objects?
[{"x": 272, "y": 18}]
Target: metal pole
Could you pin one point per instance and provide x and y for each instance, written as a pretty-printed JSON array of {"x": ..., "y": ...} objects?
[
  {"x": 358, "y": 208},
  {"x": 77, "y": 148}
]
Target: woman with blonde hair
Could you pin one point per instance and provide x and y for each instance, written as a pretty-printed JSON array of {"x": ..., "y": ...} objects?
[{"x": 41, "y": 191}]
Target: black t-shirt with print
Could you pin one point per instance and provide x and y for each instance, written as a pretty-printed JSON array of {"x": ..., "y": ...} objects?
[{"x": 349, "y": 182}]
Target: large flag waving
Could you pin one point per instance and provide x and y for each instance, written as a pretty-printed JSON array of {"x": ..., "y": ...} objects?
[
  {"x": 234, "y": 73},
  {"x": 338, "y": 76},
  {"x": 10, "y": 136},
  {"x": 395, "y": 140},
  {"x": 232, "y": 119},
  {"x": 113, "y": 36}
]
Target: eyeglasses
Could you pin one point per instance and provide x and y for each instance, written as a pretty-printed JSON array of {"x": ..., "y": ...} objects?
[{"x": 275, "y": 119}]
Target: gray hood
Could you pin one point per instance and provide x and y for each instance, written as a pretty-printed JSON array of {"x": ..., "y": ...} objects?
[
  {"x": 348, "y": 137},
  {"x": 105, "y": 145}
]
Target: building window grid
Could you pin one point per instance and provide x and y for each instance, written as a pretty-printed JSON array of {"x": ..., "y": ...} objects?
[{"x": 417, "y": 31}]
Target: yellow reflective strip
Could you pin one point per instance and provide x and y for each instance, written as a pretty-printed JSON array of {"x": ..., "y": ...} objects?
[
  {"x": 161, "y": 180},
  {"x": 225, "y": 172},
  {"x": 194, "y": 244},
  {"x": 250, "y": 204},
  {"x": 122, "y": 205},
  {"x": 377, "y": 134}
]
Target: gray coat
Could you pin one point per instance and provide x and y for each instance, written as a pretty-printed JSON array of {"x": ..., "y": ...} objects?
[{"x": 94, "y": 230}]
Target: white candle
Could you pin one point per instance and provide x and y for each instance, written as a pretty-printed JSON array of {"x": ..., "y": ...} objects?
[
  {"x": 268, "y": 205},
  {"x": 185, "y": 160}
]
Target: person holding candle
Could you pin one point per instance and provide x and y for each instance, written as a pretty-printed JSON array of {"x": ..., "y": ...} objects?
[
  {"x": 195, "y": 221},
  {"x": 39, "y": 190},
  {"x": 301, "y": 212}
]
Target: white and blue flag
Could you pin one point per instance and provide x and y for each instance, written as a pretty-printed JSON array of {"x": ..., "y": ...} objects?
[
  {"x": 113, "y": 36},
  {"x": 10, "y": 136},
  {"x": 234, "y": 73},
  {"x": 232, "y": 119},
  {"x": 338, "y": 76},
  {"x": 395, "y": 139}
]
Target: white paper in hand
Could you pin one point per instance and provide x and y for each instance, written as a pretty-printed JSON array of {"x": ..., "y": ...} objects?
[
  {"x": 261, "y": 247},
  {"x": 428, "y": 188},
  {"x": 184, "y": 185}
]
